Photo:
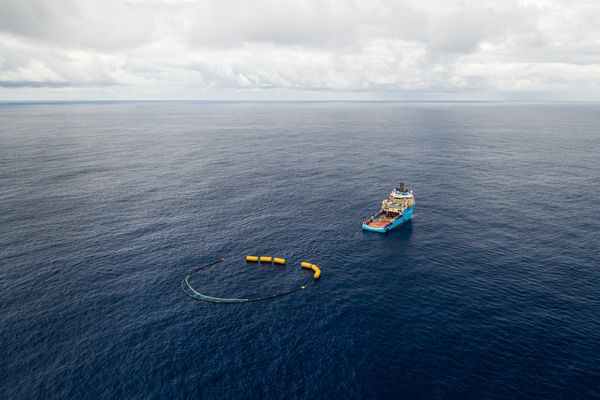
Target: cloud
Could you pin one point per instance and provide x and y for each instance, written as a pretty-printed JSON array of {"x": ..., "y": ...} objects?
[
  {"x": 101, "y": 25},
  {"x": 30, "y": 65},
  {"x": 384, "y": 48}
]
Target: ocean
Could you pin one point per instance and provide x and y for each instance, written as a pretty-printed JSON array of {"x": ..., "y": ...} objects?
[{"x": 492, "y": 291}]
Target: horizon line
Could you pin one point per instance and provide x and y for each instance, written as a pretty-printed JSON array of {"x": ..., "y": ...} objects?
[{"x": 58, "y": 101}]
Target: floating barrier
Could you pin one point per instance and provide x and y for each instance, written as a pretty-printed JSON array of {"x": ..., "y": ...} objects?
[
  {"x": 266, "y": 259},
  {"x": 193, "y": 293},
  {"x": 316, "y": 269},
  {"x": 317, "y": 274}
]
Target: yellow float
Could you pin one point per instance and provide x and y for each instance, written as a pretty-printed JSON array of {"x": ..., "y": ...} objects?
[
  {"x": 277, "y": 260},
  {"x": 266, "y": 259},
  {"x": 316, "y": 269}
]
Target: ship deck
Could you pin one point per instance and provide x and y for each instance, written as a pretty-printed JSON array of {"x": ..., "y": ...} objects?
[
  {"x": 382, "y": 219},
  {"x": 380, "y": 223}
]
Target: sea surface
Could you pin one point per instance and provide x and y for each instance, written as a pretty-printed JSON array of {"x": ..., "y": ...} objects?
[{"x": 492, "y": 291}]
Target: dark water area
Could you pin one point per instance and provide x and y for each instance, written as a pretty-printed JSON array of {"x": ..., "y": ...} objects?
[{"x": 491, "y": 291}]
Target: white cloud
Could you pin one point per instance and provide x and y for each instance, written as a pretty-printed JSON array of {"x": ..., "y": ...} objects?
[
  {"x": 102, "y": 25},
  {"x": 299, "y": 49}
]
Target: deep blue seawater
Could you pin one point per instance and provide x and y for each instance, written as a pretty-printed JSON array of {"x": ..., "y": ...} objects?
[{"x": 492, "y": 291}]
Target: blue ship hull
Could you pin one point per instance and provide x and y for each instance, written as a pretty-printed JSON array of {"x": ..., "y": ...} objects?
[{"x": 408, "y": 213}]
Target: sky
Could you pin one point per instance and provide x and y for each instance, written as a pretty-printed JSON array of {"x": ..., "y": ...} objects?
[{"x": 529, "y": 50}]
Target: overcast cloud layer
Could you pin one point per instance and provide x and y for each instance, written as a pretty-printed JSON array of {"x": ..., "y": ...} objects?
[{"x": 278, "y": 49}]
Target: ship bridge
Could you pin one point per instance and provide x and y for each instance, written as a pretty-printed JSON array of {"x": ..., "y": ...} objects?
[{"x": 400, "y": 199}]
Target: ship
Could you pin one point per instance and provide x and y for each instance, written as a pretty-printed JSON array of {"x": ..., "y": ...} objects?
[{"x": 395, "y": 211}]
